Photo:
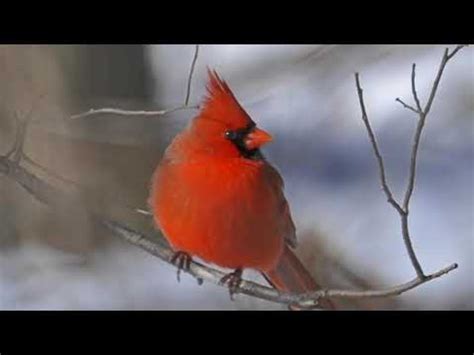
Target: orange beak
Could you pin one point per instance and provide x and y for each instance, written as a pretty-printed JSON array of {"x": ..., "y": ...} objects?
[{"x": 257, "y": 138}]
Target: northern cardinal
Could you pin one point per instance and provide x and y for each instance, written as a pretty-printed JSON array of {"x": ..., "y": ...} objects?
[{"x": 215, "y": 196}]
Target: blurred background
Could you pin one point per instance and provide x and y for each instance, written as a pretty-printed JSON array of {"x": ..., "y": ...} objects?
[{"x": 349, "y": 237}]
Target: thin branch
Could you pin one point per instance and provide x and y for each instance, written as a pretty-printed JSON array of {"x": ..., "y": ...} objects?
[
  {"x": 411, "y": 108},
  {"x": 387, "y": 292},
  {"x": 409, "y": 246},
  {"x": 458, "y": 48},
  {"x": 375, "y": 147},
  {"x": 413, "y": 87},
  {"x": 48, "y": 171},
  {"x": 117, "y": 111},
  {"x": 309, "y": 300},
  {"x": 155, "y": 113},
  {"x": 57, "y": 199},
  {"x": 446, "y": 57},
  {"x": 421, "y": 122},
  {"x": 143, "y": 212},
  {"x": 190, "y": 77},
  {"x": 404, "y": 211},
  {"x": 78, "y": 186},
  {"x": 413, "y": 160}
]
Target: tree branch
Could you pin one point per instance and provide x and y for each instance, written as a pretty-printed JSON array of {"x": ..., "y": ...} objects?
[
  {"x": 446, "y": 57},
  {"x": 117, "y": 111},
  {"x": 421, "y": 122},
  {"x": 375, "y": 147},
  {"x": 155, "y": 113},
  {"x": 413, "y": 87},
  {"x": 57, "y": 199},
  {"x": 190, "y": 77},
  {"x": 403, "y": 210},
  {"x": 411, "y": 108}
]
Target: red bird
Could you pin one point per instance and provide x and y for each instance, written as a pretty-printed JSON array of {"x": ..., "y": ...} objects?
[{"x": 214, "y": 196}]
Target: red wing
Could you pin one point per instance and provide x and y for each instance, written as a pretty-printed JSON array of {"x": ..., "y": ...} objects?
[{"x": 289, "y": 229}]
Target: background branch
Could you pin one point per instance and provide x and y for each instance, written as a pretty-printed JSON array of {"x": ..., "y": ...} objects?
[
  {"x": 57, "y": 199},
  {"x": 403, "y": 210},
  {"x": 413, "y": 87},
  {"x": 154, "y": 113},
  {"x": 411, "y": 108},
  {"x": 190, "y": 77},
  {"x": 117, "y": 111},
  {"x": 375, "y": 147}
]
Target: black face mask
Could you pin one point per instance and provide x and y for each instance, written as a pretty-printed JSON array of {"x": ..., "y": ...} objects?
[{"x": 237, "y": 138}]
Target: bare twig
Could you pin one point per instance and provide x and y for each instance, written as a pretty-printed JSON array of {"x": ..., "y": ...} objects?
[
  {"x": 422, "y": 113},
  {"x": 390, "y": 199},
  {"x": 117, "y": 111},
  {"x": 190, "y": 77},
  {"x": 154, "y": 113},
  {"x": 459, "y": 47},
  {"x": 446, "y": 57},
  {"x": 143, "y": 212},
  {"x": 78, "y": 186},
  {"x": 373, "y": 141},
  {"x": 413, "y": 87},
  {"x": 56, "y": 199},
  {"x": 48, "y": 171},
  {"x": 411, "y": 108},
  {"x": 421, "y": 122},
  {"x": 309, "y": 300}
]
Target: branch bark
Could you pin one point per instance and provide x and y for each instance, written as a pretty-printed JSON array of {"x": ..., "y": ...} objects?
[
  {"x": 117, "y": 111},
  {"x": 375, "y": 147},
  {"x": 190, "y": 77},
  {"x": 403, "y": 210},
  {"x": 57, "y": 199},
  {"x": 154, "y": 113}
]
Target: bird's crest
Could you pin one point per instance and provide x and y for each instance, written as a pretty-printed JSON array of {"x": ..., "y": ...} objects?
[{"x": 221, "y": 104}]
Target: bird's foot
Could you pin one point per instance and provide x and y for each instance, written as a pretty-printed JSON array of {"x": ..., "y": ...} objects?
[
  {"x": 233, "y": 281},
  {"x": 182, "y": 261}
]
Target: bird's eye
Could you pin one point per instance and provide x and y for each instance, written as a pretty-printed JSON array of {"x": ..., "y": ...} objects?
[{"x": 231, "y": 135}]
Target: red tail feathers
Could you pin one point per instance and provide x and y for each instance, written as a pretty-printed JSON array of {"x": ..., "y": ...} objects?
[{"x": 291, "y": 276}]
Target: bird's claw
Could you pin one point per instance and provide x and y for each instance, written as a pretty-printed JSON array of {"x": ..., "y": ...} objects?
[
  {"x": 182, "y": 261},
  {"x": 233, "y": 281}
]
